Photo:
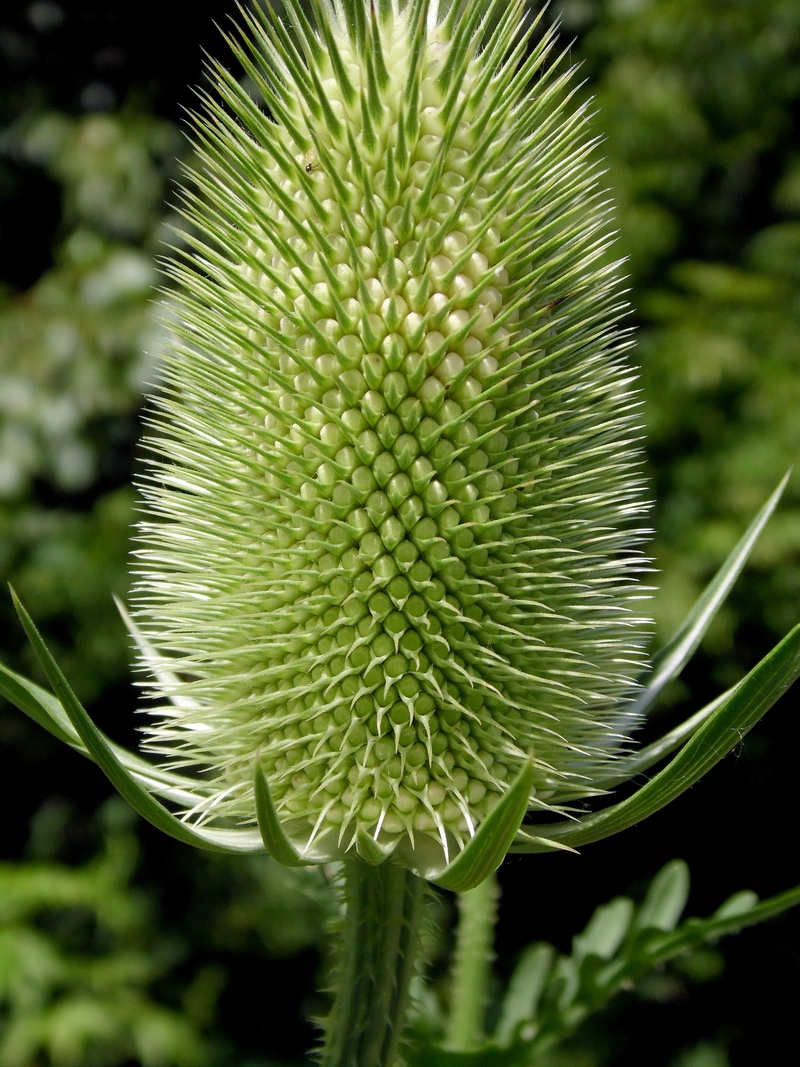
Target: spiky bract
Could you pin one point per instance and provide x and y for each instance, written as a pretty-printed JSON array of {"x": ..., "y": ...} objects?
[{"x": 389, "y": 545}]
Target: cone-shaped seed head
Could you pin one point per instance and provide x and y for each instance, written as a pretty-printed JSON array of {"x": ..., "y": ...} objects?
[{"x": 390, "y": 545}]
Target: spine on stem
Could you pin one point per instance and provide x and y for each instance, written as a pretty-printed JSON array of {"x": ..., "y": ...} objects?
[{"x": 384, "y": 907}]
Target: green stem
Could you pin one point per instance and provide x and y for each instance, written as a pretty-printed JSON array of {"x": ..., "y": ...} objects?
[
  {"x": 472, "y": 965},
  {"x": 381, "y": 935}
]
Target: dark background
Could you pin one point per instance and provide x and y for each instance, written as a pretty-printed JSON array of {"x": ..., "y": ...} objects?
[{"x": 699, "y": 110}]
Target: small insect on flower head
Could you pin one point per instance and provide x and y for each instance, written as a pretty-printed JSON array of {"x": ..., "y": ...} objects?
[{"x": 391, "y": 544}]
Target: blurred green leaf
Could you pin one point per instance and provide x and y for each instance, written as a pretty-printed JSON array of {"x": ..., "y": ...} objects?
[
  {"x": 549, "y": 995},
  {"x": 78, "y": 962}
]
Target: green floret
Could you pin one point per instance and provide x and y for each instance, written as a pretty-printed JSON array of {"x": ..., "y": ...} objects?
[{"x": 391, "y": 545}]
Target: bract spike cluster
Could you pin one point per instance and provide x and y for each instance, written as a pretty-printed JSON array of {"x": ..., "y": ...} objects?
[{"x": 391, "y": 543}]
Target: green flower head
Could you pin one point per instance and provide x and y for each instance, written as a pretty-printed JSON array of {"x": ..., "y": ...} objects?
[{"x": 393, "y": 514}]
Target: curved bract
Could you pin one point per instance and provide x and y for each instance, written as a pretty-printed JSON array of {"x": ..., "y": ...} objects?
[
  {"x": 702, "y": 740},
  {"x": 395, "y": 497}
]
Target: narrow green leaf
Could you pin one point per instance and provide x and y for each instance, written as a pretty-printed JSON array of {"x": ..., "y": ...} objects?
[
  {"x": 605, "y": 931},
  {"x": 524, "y": 991},
  {"x": 666, "y": 898},
  {"x": 626, "y": 767},
  {"x": 273, "y": 835},
  {"x": 721, "y": 732},
  {"x": 738, "y": 904},
  {"x": 38, "y": 704},
  {"x": 485, "y": 852},
  {"x": 45, "y": 710},
  {"x": 637, "y": 957},
  {"x": 694, "y": 932},
  {"x": 673, "y": 657},
  {"x": 123, "y": 781}
]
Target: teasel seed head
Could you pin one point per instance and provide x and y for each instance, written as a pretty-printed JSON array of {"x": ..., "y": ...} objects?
[{"x": 393, "y": 517}]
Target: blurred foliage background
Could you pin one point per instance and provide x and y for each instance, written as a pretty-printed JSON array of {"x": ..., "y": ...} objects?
[{"x": 117, "y": 947}]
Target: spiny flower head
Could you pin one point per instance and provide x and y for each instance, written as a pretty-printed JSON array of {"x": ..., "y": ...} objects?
[{"x": 390, "y": 549}]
